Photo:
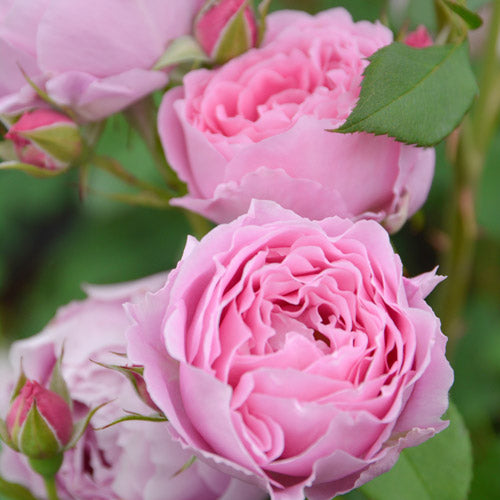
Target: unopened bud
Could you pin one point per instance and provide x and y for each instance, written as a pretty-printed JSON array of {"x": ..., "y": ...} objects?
[
  {"x": 46, "y": 139},
  {"x": 226, "y": 29},
  {"x": 419, "y": 38},
  {"x": 39, "y": 422}
]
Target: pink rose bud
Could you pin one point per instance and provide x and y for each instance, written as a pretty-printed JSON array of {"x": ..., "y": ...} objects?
[
  {"x": 39, "y": 422},
  {"x": 419, "y": 38},
  {"x": 46, "y": 139},
  {"x": 226, "y": 29}
]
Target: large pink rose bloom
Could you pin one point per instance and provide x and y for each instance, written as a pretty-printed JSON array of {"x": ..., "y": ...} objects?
[
  {"x": 294, "y": 353},
  {"x": 255, "y": 128},
  {"x": 129, "y": 461},
  {"x": 92, "y": 55}
]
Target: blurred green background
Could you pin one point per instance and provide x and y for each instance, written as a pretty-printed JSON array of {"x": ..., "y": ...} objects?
[{"x": 51, "y": 242}]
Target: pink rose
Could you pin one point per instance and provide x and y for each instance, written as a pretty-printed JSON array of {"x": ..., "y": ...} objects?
[
  {"x": 129, "y": 461},
  {"x": 255, "y": 128},
  {"x": 92, "y": 55},
  {"x": 294, "y": 352}
]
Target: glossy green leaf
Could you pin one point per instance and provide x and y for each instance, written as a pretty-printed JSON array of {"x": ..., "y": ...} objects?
[
  {"x": 439, "y": 469},
  {"x": 472, "y": 19},
  {"x": 418, "y": 96}
]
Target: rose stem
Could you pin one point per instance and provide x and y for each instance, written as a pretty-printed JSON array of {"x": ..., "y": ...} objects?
[{"x": 475, "y": 136}]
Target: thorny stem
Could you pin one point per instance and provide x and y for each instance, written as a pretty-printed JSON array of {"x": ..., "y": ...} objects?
[{"x": 475, "y": 136}]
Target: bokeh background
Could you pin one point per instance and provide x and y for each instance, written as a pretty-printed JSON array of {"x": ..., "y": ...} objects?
[{"x": 51, "y": 241}]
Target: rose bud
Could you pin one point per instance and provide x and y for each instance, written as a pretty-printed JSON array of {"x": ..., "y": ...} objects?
[
  {"x": 46, "y": 139},
  {"x": 419, "y": 38},
  {"x": 226, "y": 29},
  {"x": 39, "y": 422}
]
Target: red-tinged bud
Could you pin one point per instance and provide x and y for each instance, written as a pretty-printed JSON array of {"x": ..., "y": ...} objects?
[
  {"x": 419, "y": 38},
  {"x": 226, "y": 29},
  {"x": 39, "y": 422},
  {"x": 46, "y": 139}
]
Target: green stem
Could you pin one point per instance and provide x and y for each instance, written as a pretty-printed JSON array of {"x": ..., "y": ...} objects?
[
  {"x": 113, "y": 167},
  {"x": 474, "y": 139},
  {"x": 51, "y": 488},
  {"x": 142, "y": 117}
]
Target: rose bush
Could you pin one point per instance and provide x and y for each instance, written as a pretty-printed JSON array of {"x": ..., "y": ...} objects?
[
  {"x": 294, "y": 353},
  {"x": 256, "y": 128},
  {"x": 95, "y": 57},
  {"x": 131, "y": 460}
]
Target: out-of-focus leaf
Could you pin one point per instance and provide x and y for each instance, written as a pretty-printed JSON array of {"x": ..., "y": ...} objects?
[
  {"x": 473, "y": 20},
  {"x": 439, "y": 469},
  {"x": 487, "y": 203},
  {"x": 486, "y": 481},
  {"x": 14, "y": 491},
  {"x": 418, "y": 96}
]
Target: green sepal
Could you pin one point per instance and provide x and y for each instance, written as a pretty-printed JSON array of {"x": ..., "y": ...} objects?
[
  {"x": 57, "y": 383},
  {"x": 32, "y": 170},
  {"x": 235, "y": 38},
  {"x": 81, "y": 425},
  {"x": 472, "y": 19},
  {"x": 127, "y": 371},
  {"x": 263, "y": 9},
  {"x": 181, "y": 50},
  {"x": 185, "y": 466},
  {"x": 36, "y": 438},
  {"x": 5, "y": 437},
  {"x": 47, "y": 467},
  {"x": 62, "y": 141},
  {"x": 45, "y": 97},
  {"x": 155, "y": 417},
  {"x": 21, "y": 381},
  {"x": 14, "y": 491},
  {"x": 8, "y": 151}
]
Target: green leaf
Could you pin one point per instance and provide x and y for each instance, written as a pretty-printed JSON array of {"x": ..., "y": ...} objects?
[
  {"x": 439, "y": 469},
  {"x": 14, "y": 491},
  {"x": 472, "y": 19},
  {"x": 181, "y": 50},
  {"x": 418, "y": 96},
  {"x": 31, "y": 169}
]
